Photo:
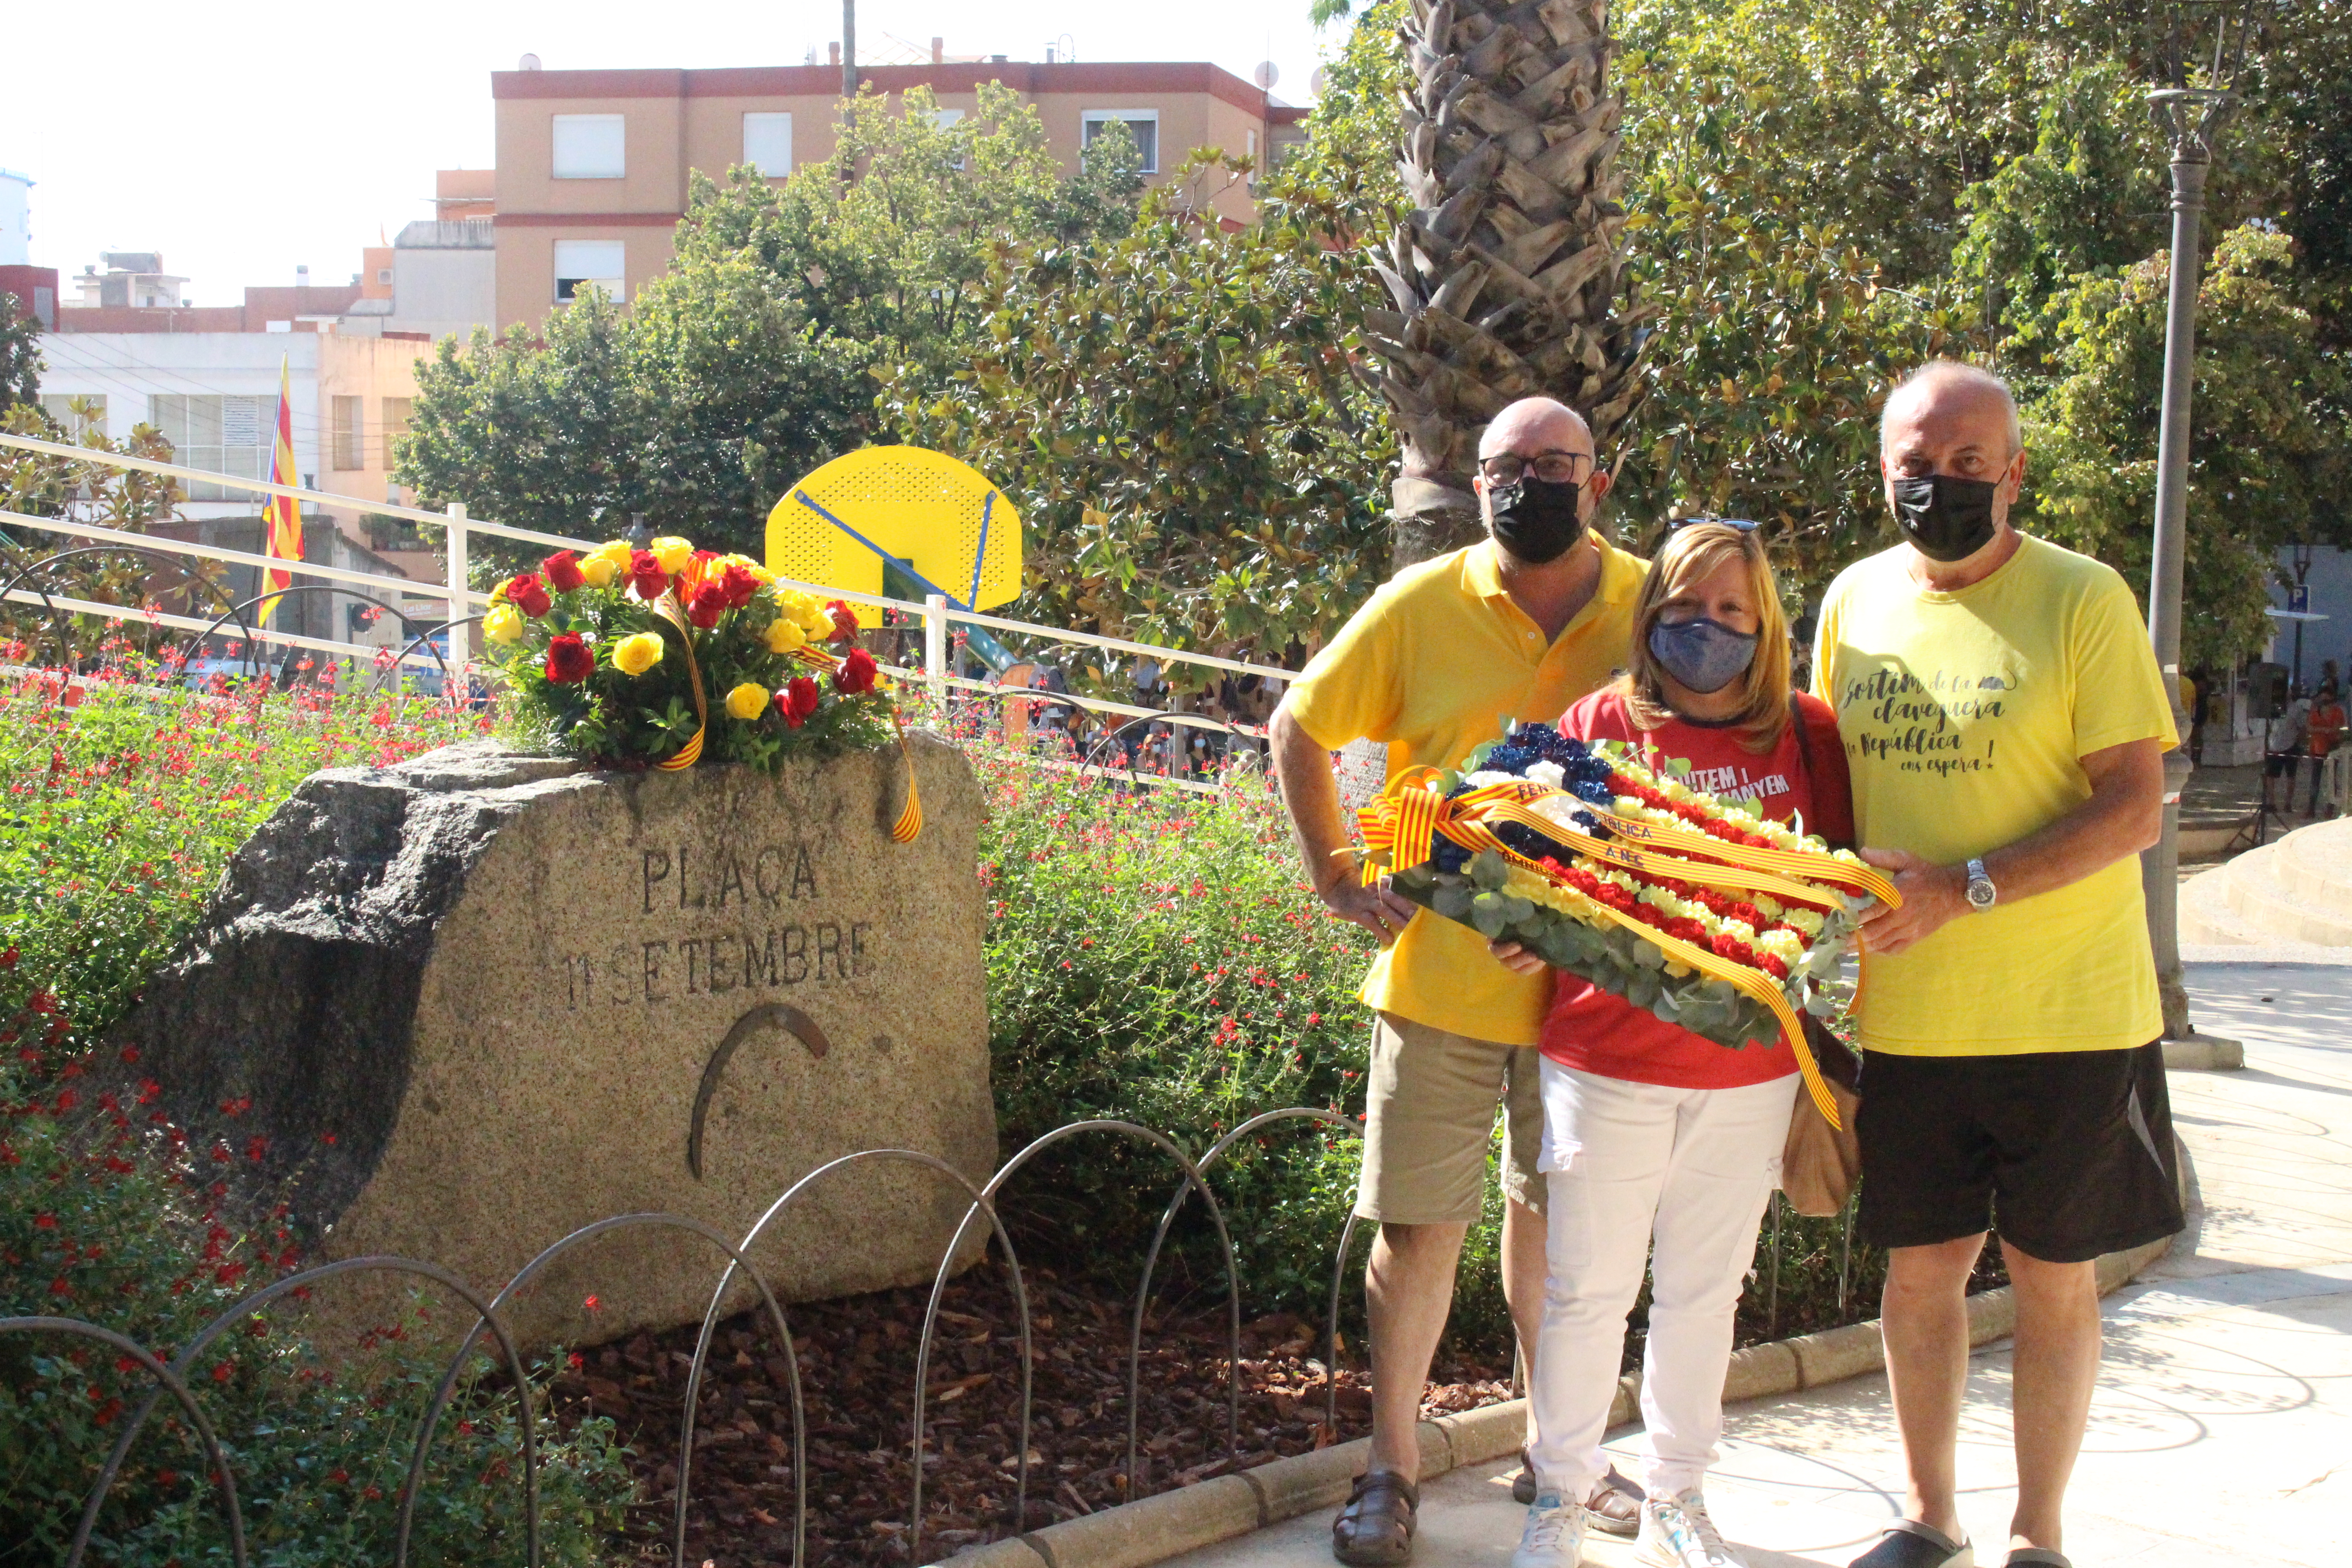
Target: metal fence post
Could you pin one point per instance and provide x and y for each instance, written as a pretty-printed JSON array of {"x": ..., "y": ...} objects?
[
  {"x": 459, "y": 644},
  {"x": 935, "y": 650}
]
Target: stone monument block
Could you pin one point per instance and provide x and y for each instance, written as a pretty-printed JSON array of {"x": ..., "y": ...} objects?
[{"x": 473, "y": 1002}]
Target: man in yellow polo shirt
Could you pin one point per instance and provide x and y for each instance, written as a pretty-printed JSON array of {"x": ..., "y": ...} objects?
[
  {"x": 1516, "y": 627},
  {"x": 2005, "y": 724}
]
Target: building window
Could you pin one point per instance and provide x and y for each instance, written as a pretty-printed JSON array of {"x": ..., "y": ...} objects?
[
  {"x": 591, "y": 146},
  {"x": 89, "y": 415},
  {"x": 581, "y": 262},
  {"x": 384, "y": 277},
  {"x": 351, "y": 434},
  {"x": 768, "y": 143},
  {"x": 221, "y": 435},
  {"x": 1143, "y": 125},
  {"x": 396, "y": 426}
]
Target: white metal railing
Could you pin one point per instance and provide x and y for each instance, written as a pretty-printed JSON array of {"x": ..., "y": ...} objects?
[{"x": 935, "y": 616}]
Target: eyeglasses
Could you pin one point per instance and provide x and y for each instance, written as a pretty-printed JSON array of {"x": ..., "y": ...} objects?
[
  {"x": 1552, "y": 467},
  {"x": 1743, "y": 524}
]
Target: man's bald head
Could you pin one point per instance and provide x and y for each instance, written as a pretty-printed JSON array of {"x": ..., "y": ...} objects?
[
  {"x": 1946, "y": 392},
  {"x": 1534, "y": 425}
]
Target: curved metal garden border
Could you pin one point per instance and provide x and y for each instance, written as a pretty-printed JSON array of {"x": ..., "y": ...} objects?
[
  {"x": 172, "y": 1378},
  {"x": 39, "y": 566}
]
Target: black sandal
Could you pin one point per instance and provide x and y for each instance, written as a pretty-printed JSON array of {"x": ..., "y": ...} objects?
[
  {"x": 1375, "y": 1528},
  {"x": 1908, "y": 1544}
]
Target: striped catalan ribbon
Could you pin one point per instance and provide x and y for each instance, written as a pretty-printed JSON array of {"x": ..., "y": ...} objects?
[
  {"x": 911, "y": 816},
  {"x": 666, "y": 607},
  {"x": 1400, "y": 829}
]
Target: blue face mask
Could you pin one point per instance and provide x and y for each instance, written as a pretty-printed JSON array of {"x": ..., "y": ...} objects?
[{"x": 1704, "y": 656}]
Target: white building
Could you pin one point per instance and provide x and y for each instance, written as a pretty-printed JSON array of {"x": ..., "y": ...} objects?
[
  {"x": 214, "y": 395},
  {"x": 15, "y": 219}
]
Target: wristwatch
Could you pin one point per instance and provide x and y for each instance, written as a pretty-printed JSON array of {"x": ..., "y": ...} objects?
[{"x": 1980, "y": 889}]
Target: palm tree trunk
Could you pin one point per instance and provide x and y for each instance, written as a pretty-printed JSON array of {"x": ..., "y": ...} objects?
[{"x": 1506, "y": 277}]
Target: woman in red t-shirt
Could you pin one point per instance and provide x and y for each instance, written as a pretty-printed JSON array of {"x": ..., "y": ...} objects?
[{"x": 1653, "y": 1134}]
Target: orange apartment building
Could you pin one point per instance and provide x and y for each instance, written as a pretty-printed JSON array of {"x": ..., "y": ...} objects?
[{"x": 593, "y": 165}]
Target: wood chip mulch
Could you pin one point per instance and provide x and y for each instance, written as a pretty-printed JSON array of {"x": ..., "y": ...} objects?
[{"x": 857, "y": 1363}]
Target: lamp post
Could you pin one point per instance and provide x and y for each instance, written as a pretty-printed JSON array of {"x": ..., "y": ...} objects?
[{"x": 2191, "y": 116}]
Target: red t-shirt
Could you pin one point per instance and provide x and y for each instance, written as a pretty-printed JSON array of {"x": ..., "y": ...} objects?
[{"x": 1596, "y": 1031}]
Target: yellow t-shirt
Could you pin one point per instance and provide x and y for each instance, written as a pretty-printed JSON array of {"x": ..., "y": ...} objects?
[
  {"x": 1431, "y": 665},
  {"x": 1965, "y": 715}
]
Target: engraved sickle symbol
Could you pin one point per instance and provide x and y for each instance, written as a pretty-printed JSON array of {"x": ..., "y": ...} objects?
[{"x": 784, "y": 1015}]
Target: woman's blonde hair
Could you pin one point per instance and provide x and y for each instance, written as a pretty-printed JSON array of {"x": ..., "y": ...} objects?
[{"x": 1690, "y": 554}]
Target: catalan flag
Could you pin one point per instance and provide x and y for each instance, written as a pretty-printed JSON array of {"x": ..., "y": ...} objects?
[{"x": 281, "y": 519}]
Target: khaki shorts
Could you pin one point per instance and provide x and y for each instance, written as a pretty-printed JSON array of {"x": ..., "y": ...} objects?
[{"x": 1429, "y": 1122}]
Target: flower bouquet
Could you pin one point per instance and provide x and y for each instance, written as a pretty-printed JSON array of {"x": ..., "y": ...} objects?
[
  {"x": 617, "y": 653},
  {"x": 1707, "y": 912}
]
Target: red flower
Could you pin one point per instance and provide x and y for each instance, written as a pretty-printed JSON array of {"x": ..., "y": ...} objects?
[
  {"x": 528, "y": 594},
  {"x": 570, "y": 660},
  {"x": 645, "y": 575},
  {"x": 855, "y": 674},
  {"x": 562, "y": 569},
  {"x": 845, "y": 621},
  {"x": 737, "y": 584},
  {"x": 710, "y": 602},
  {"x": 797, "y": 701}
]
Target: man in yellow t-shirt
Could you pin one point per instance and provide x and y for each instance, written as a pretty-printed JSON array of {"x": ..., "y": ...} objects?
[
  {"x": 1516, "y": 627},
  {"x": 2005, "y": 723}
]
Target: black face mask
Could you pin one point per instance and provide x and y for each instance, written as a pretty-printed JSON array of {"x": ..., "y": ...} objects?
[
  {"x": 1537, "y": 519},
  {"x": 1950, "y": 518}
]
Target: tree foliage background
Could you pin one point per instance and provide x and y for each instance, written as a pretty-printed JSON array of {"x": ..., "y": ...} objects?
[{"x": 1822, "y": 193}]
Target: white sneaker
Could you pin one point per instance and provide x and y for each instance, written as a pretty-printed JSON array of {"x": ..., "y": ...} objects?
[
  {"x": 1554, "y": 1536},
  {"x": 1677, "y": 1533}
]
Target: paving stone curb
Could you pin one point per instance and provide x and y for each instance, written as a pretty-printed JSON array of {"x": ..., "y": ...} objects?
[{"x": 1154, "y": 1529}]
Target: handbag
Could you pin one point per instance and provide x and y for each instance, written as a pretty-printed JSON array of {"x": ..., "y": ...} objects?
[{"x": 1819, "y": 1163}]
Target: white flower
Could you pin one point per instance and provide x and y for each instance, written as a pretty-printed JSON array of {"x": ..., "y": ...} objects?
[
  {"x": 1548, "y": 774},
  {"x": 1486, "y": 776}
]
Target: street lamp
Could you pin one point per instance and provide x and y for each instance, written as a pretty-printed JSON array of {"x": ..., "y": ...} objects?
[{"x": 2190, "y": 115}]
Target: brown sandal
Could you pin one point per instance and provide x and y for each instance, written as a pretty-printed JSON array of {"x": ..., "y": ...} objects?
[{"x": 1375, "y": 1528}]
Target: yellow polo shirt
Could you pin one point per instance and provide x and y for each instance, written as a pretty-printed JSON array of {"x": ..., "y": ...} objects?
[
  {"x": 1432, "y": 665},
  {"x": 1965, "y": 717}
]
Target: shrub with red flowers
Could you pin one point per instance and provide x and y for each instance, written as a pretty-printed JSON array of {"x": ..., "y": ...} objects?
[
  {"x": 606, "y": 651},
  {"x": 121, "y": 809}
]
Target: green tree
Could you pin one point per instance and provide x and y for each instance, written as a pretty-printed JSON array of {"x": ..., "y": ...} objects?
[
  {"x": 1772, "y": 348},
  {"x": 746, "y": 365},
  {"x": 2266, "y": 449},
  {"x": 20, "y": 353},
  {"x": 1197, "y": 460}
]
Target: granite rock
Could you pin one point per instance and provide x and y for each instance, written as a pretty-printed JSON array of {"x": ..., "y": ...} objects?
[{"x": 479, "y": 999}]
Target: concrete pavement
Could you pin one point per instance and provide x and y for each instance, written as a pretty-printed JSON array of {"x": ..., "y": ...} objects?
[{"x": 2222, "y": 1428}]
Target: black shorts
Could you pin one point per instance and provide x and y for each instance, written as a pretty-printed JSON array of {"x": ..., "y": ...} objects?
[
  {"x": 2281, "y": 765},
  {"x": 2068, "y": 1154}
]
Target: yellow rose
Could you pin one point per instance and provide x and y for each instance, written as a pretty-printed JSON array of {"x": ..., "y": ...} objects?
[
  {"x": 503, "y": 624},
  {"x": 597, "y": 570},
  {"x": 616, "y": 551},
  {"x": 785, "y": 635},
  {"x": 637, "y": 653},
  {"x": 673, "y": 552},
  {"x": 747, "y": 701}
]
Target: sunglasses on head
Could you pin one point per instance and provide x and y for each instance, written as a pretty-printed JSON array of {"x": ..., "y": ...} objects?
[{"x": 1744, "y": 525}]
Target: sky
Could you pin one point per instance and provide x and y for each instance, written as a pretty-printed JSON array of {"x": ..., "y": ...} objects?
[{"x": 244, "y": 139}]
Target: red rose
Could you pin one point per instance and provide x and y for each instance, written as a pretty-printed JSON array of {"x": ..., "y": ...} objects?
[
  {"x": 646, "y": 576},
  {"x": 710, "y": 602},
  {"x": 855, "y": 674},
  {"x": 569, "y": 659},
  {"x": 737, "y": 584},
  {"x": 563, "y": 570},
  {"x": 797, "y": 701},
  {"x": 528, "y": 594},
  {"x": 845, "y": 621}
]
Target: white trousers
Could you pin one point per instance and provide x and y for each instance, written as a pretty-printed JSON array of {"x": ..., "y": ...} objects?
[{"x": 1628, "y": 1163}]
